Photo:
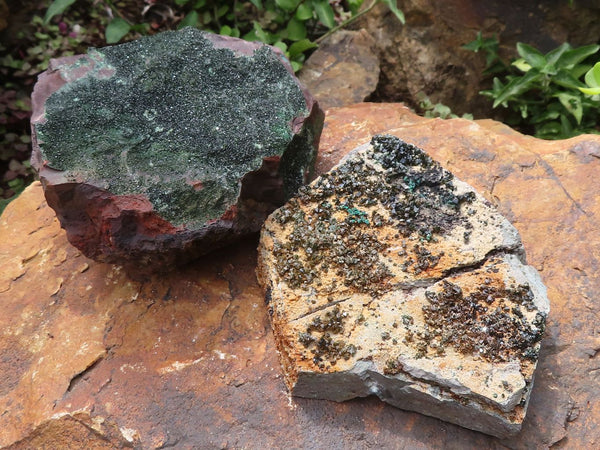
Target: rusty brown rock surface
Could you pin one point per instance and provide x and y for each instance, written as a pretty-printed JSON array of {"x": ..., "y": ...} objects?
[
  {"x": 90, "y": 358},
  {"x": 344, "y": 70}
]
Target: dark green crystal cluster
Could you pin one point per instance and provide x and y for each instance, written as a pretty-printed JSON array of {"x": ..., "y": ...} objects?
[{"x": 171, "y": 117}]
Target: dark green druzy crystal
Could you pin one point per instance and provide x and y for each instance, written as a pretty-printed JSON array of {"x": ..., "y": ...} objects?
[{"x": 173, "y": 118}]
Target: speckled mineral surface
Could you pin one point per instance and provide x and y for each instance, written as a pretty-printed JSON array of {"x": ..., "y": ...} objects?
[
  {"x": 159, "y": 150},
  {"x": 389, "y": 276}
]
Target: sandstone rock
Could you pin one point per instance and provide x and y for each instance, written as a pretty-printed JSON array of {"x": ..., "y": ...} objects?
[
  {"x": 344, "y": 69},
  {"x": 156, "y": 151},
  {"x": 188, "y": 359},
  {"x": 389, "y": 276}
]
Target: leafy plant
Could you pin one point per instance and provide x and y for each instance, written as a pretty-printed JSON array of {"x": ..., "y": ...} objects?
[
  {"x": 295, "y": 26},
  {"x": 490, "y": 46},
  {"x": 544, "y": 93},
  {"x": 26, "y": 55},
  {"x": 438, "y": 110}
]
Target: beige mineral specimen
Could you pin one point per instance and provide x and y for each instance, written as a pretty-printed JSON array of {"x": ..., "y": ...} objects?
[{"x": 389, "y": 276}]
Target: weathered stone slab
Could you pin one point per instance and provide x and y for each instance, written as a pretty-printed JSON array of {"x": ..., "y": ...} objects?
[
  {"x": 389, "y": 276},
  {"x": 187, "y": 359},
  {"x": 156, "y": 151}
]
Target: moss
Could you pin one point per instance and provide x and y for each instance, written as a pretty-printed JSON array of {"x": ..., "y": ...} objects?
[{"x": 162, "y": 114}]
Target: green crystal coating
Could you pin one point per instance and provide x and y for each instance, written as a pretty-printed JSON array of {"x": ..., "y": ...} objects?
[{"x": 173, "y": 118}]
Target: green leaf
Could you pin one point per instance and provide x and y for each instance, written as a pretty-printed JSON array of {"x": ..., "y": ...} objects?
[
  {"x": 549, "y": 130},
  {"x": 442, "y": 111},
  {"x": 261, "y": 34},
  {"x": 572, "y": 103},
  {"x": 572, "y": 57},
  {"x": 590, "y": 91},
  {"x": 57, "y": 7},
  {"x": 565, "y": 79},
  {"x": 181, "y": 2},
  {"x": 281, "y": 46},
  {"x": 116, "y": 30},
  {"x": 566, "y": 127},
  {"x": 296, "y": 30},
  {"x": 190, "y": 20},
  {"x": 222, "y": 11},
  {"x": 554, "y": 55},
  {"x": 592, "y": 77},
  {"x": 522, "y": 65},
  {"x": 257, "y": 3},
  {"x": 481, "y": 43},
  {"x": 394, "y": 8},
  {"x": 474, "y": 45},
  {"x": 287, "y": 5},
  {"x": 250, "y": 36},
  {"x": 142, "y": 28},
  {"x": 17, "y": 184},
  {"x": 546, "y": 115},
  {"x": 304, "y": 11},
  {"x": 549, "y": 69},
  {"x": 207, "y": 18},
  {"x": 296, "y": 66},
  {"x": 225, "y": 30},
  {"x": 324, "y": 12},
  {"x": 517, "y": 86},
  {"x": 579, "y": 70},
  {"x": 533, "y": 56},
  {"x": 301, "y": 46},
  {"x": 497, "y": 85},
  {"x": 354, "y": 6},
  {"x": 524, "y": 111}
]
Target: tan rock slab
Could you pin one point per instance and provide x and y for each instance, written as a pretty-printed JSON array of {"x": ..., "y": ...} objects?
[{"x": 389, "y": 276}]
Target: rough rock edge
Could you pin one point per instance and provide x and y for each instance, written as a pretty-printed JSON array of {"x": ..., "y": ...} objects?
[
  {"x": 158, "y": 245},
  {"x": 415, "y": 393},
  {"x": 77, "y": 428}
]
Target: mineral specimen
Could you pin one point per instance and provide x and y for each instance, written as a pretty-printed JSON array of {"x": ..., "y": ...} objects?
[
  {"x": 159, "y": 150},
  {"x": 389, "y": 276}
]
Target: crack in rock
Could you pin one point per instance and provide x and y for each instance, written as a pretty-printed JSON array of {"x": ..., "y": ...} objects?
[
  {"x": 389, "y": 276},
  {"x": 78, "y": 377}
]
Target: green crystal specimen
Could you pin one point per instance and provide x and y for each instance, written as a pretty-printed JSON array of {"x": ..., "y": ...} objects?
[{"x": 171, "y": 117}]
